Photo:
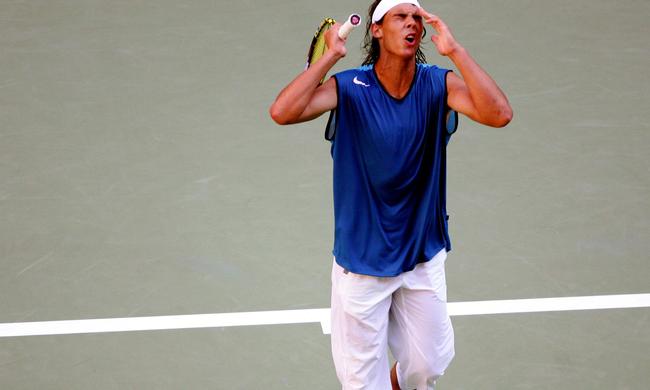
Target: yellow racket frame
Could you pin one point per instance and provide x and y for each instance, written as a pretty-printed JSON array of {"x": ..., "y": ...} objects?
[{"x": 318, "y": 46}]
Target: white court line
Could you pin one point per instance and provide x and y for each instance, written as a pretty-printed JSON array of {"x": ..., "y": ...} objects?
[{"x": 321, "y": 316}]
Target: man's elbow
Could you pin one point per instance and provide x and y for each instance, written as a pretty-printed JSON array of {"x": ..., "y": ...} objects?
[
  {"x": 503, "y": 117},
  {"x": 506, "y": 117},
  {"x": 278, "y": 115}
]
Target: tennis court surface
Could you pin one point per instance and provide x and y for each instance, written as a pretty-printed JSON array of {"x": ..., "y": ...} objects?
[{"x": 141, "y": 176}]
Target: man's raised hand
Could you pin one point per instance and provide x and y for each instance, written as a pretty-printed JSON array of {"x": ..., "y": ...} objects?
[{"x": 443, "y": 39}]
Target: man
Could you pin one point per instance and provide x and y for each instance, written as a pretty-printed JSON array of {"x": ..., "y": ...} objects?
[{"x": 389, "y": 149}]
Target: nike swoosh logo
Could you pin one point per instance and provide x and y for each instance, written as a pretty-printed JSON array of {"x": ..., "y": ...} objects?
[{"x": 359, "y": 82}]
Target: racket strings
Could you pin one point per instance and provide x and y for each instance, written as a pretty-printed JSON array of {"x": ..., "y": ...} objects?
[{"x": 318, "y": 46}]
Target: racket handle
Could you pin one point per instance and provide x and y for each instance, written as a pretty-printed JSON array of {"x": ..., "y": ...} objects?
[{"x": 353, "y": 21}]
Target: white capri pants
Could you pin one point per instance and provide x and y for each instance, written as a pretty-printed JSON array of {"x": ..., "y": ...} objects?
[{"x": 407, "y": 312}]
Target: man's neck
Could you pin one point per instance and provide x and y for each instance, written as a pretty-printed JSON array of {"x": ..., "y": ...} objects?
[{"x": 395, "y": 74}]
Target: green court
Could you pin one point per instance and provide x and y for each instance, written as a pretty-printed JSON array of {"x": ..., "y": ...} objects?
[{"x": 141, "y": 176}]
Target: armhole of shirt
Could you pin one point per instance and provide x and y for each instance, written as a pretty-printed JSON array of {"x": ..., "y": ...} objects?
[
  {"x": 330, "y": 128},
  {"x": 451, "y": 116}
]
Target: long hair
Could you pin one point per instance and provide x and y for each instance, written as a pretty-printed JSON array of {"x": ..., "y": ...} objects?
[{"x": 371, "y": 44}]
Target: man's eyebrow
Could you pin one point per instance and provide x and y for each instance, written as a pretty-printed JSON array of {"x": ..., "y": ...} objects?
[{"x": 405, "y": 14}]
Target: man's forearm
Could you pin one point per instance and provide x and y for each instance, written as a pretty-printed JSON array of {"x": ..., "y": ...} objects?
[
  {"x": 294, "y": 98},
  {"x": 491, "y": 104}
]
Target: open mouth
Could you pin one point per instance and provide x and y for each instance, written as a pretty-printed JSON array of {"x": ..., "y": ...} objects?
[{"x": 410, "y": 38}]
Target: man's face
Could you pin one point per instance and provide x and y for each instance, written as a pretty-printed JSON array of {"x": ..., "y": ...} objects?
[{"x": 401, "y": 31}]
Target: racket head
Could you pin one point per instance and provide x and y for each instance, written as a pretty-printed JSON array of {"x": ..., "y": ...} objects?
[{"x": 317, "y": 47}]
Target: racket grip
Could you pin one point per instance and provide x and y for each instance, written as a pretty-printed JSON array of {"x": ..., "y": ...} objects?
[{"x": 353, "y": 21}]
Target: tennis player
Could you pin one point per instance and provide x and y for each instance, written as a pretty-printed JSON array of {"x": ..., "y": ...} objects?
[{"x": 389, "y": 152}]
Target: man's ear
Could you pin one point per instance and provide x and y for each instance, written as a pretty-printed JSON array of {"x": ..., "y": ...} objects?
[{"x": 376, "y": 31}]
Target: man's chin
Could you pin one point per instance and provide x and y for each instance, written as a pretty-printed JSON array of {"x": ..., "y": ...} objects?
[{"x": 410, "y": 51}]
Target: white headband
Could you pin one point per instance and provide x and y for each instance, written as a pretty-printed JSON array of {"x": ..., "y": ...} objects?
[{"x": 385, "y": 5}]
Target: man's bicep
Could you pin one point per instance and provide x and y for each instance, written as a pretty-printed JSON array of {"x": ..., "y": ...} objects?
[
  {"x": 458, "y": 97},
  {"x": 324, "y": 100}
]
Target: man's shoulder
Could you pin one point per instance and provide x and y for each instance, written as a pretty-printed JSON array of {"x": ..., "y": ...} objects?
[
  {"x": 433, "y": 75},
  {"x": 356, "y": 80},
  {"x": 431, "y": 69},
  {"x": 362, "y": 71}
]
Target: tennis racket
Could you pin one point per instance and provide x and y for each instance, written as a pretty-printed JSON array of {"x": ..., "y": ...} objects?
[
  {"x": 317, "y": 49},
  {"x": 318, "y": 46}
]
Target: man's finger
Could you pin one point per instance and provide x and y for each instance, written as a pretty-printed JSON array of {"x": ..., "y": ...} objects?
[
  {"x": 333, "y": 33},
  {"x": 424, "y": 14},
  {"x": 430, "y": 18}
]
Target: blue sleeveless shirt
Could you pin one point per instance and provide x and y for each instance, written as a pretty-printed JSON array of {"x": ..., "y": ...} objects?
[{"x": 389, "y": 172}]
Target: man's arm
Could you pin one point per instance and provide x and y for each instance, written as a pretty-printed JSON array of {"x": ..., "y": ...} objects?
[
  {"x": 304, "y": 98},
  {"x": 476, "y": 94}
]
